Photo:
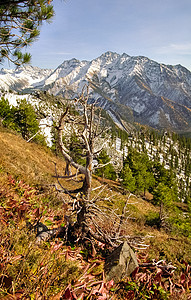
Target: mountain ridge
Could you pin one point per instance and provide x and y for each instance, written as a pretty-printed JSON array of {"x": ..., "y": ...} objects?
[{"x": 154, "y": 94}]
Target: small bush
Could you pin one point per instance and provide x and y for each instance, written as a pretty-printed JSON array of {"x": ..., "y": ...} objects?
[
  {"x": 153, "y": 219},
  {"x": 21, "y": 118}
]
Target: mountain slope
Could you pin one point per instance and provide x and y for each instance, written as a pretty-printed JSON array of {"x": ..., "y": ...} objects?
[
  {"x": 27, "y": 161},
  {"x": 22, "y": 78},
  {"x": 24, "y": 261},
  {"x": 131, "y": 88}
]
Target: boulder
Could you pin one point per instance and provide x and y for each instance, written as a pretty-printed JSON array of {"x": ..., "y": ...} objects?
[{"x": 120, "y": 263}]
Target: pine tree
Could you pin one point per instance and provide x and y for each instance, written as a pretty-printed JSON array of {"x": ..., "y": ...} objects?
[
  {"x": 19, "y": 26},
  {"x": 129, "y": 181},
  {"x": 140, "y": 167},
  {"x": 106, "y": 171},
  {"x": 25, "y": 119},
  {"x": 6, "y": 114},
  {"x": 75, "y": 147}
]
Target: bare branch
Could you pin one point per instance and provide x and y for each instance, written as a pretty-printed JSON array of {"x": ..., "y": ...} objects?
[
  {"x": 123, "y": 215},
  {"x": 64, "y": 150},
  {"x": 62, "y": 188},
  {"x": 32, "y": 137},
  {"x": 101, "y": 165}
]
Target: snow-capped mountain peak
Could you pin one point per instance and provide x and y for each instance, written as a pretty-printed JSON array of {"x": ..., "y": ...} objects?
[{"x": 134, "y": 87}]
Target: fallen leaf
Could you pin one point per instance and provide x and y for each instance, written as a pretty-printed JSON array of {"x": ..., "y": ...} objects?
[{"x": 68, "y": 294}]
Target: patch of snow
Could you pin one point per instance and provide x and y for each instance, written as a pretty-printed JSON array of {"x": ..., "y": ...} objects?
[
  {"x": 13, "y": 98},
  {"x": 118, "y": 144},
  {"x": 167, "y": 116},
  {"x": 46, "y": 126},
  {"x": 95, "y": 163},
  {"x": 139, "y": 107},
  {"x": 147, "y": 144},
  {"x": 115, "y": 120},
  {"x": 154, "y": 119}
]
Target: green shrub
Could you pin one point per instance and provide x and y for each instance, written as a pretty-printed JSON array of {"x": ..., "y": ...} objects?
[
  {"x": 21, "y": 118},
  {"x": 6, "y": 113},
  {"x": 108, "y": 170},
  {"x": 153, "y": 219},
  {"x": 25, "y": 119}
]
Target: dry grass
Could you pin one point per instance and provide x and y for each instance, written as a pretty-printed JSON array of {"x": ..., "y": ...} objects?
[
  {"x": 30, "y": 161},
  {"x": 44, "y": 271},
  {"x": 34, "y": 164}
]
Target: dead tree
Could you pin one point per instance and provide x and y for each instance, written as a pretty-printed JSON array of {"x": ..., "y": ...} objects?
[
  {"x": 87, "y": 130},
  {"x": 91, "y": 212}
]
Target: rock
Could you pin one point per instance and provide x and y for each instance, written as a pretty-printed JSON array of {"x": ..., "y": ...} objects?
[
  {"x": 40, "y": 227},
  {"x": 43, "y": 237},
  {"x": 121, "y": 262},
  {"x": 44, "y": 234}
]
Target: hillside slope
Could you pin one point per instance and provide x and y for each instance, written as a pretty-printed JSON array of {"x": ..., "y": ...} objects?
[
  {"x": 44, "y": 271},
  {"x": 27, "y": 161}
]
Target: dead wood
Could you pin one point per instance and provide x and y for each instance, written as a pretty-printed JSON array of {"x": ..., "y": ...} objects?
[{"x": 91, "y": 221}]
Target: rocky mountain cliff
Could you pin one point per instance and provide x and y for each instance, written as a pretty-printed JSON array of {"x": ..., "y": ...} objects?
[{"x": 129, "y": 88}]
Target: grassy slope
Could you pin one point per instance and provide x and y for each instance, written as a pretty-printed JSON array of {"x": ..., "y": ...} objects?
[
  {"x": 33, "y": 164},
  {"x": 29, "y": 161}
]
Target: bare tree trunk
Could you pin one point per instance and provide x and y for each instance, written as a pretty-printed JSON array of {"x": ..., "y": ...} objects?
[
  {"x": 87, "y": 131},
  {"x": 87, "y": 184}
]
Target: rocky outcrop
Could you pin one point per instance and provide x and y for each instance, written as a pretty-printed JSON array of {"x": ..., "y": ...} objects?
[{"x": 120, "y": 263}]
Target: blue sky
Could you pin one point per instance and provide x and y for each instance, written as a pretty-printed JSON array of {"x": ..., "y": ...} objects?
[{"x": 84, "y": 29}]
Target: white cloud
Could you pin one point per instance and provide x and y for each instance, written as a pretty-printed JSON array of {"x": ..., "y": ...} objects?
[
  {"x": 59, "y": 53},
  {"x": 182, "y": 49}
]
